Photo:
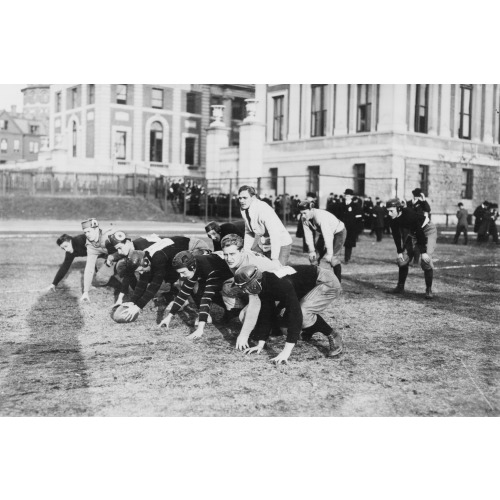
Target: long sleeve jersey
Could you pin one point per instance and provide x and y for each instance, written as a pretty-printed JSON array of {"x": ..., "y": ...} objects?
[
  {"x": 287, "y": 292},
  {"x": 79, "y": 250},
  {"x": 325, "y": 223},
  {"x": 266, "y": 226},
  {"x": 412, "y": 221},
  {"x": 94, "y": 249},
  {"x": 211, "y": 273},
  {"x": 129, "y": 278},
  {"x": 161, "y": 270}
]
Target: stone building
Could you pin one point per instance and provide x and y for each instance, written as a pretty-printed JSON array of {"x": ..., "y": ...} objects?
[{"x": 378, "y": 139}]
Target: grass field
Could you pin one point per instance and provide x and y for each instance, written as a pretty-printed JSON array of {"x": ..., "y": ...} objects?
[{"x": 404, "y": 356}]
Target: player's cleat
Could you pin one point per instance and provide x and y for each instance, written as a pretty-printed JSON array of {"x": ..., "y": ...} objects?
[
  {"x": 398, "y": 290},
  {"x": 428, "y": 293},
  {"x": 336, "y": 345}
]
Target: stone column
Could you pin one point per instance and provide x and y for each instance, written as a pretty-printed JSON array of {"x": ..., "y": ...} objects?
[
  {"x": 252, "y": 139},
  {"x": 432, "y": 120},
  {"x": 477, "y": 93},
  {"x": 294, "y": 112},
  {"x": 176, "y": 131},
  {"x": 217, "y": 138},
  {"x": 341, "y": 110},
  {"x": 445, "y": 130},
  {"x": 488, "y": 114}
]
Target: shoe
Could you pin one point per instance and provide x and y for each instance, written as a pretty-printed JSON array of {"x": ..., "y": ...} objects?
[
  {"x": 336, "y": 345},
  {"x": 428, "y": 293},
  {"x": 398, "y": 290}
]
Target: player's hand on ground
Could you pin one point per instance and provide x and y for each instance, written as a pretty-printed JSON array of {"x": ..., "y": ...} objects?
[
  {"x": 258, "y": 348},
  {"x": 242, "y": 342},
  {"x": 282, "y": 357},
  {"x": 328, "y": 258},
  {"x": 131, "y": 311},
  {"x": 312, "y": 258},
  {"x": 85, "y": 297},
  {"x": 51, "y": 288},
  {"x": 118, "y": 302},
  {"x": 165, "y": 322},
  {"x": 426, "y": 258},
  {"x": 196, "y": 334}
]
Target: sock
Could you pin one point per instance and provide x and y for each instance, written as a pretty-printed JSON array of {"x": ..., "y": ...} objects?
[
  {"x": 403, "y": 274},
  {"x": 337, "y": 270},
  {"x": 428, "y": 274},
  {"x": 321, "y": 326}
]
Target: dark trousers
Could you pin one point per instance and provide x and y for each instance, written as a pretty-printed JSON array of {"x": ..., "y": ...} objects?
[
  {"x": 379, "y": 231},
  {"x": 460, "y": 229}
]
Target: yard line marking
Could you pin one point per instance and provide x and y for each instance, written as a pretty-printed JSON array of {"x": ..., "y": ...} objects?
[
  {"x": 478, "y": 388},
  {"x": 470, "y": 265}
]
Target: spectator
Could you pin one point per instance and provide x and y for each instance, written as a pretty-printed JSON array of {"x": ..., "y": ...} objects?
[
  {"x": 378, "y": 216},
  {"x": 481, "y": 212},
  {"x": 462, "y": 224}
]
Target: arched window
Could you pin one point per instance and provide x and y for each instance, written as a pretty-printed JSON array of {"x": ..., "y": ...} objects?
[
  {"x": 156, "y": 142},
  {"x": 74, "y": 139}
]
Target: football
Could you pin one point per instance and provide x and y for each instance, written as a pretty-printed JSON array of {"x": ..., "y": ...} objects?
[{"x": 118, "y": 314}]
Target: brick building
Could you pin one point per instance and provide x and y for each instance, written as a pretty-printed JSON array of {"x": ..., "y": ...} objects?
[
  {"x": 133, "y": 127},
  {"x": 20, "y": 137},
  {"x": 380, "y": 140}
]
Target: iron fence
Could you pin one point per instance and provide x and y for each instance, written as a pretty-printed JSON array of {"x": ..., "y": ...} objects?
[{"x": 210, "y": 199}]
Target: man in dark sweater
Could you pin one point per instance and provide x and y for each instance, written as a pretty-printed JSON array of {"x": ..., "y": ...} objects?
[
  {"x": 155, "y": 266},
  {"x": 209, "y": 272},
  {"x": 422, "y": 234},
  {"x": 296, "y": 293},
  {"x": 73, "y": 246},
  {"x": 216, "y": 231}
]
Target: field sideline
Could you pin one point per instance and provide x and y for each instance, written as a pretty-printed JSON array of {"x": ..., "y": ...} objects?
[{"x": 404, "y": 356}]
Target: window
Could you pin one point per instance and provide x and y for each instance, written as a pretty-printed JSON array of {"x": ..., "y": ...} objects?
[
  {"x": 190, "y": 150},
  {"x": 424, "y": 178},
  {"x": 278, "y": 118},
  {"x": 465, "y": 111},
  {"x": 121, "y": 94},
  {"x": 74, "y": 97},
  {"x": 91, "y": 93},
  {"x": 157, "y": 98},
  {"x": 156, "y": 142},
  {"x": 193, "y": 102},
  {"x": 58, "y": 102},
  {"x": 33, "y": 129},
  {"x": 274, "y": 178},
  {"x": 121, "y": 145},
  {"x": 313, "y": 172},
  {"x": 74, "y": 139},
  {"x": 467, "y": 183},
  {"x": 31, "y": 147},
  {"x": 364, "y": 108},
  {"x": 17, "y": 146},
  {"x": 359, "y": 178},
  {"x": 3, "y": 146},
  {"x": 4, "y": 124},
  {"x": 318, "y": 111},
  {"x": 35, "y": 147},
  {"x": 421, "y": 108},
  {"x": 238, "y": 109}
]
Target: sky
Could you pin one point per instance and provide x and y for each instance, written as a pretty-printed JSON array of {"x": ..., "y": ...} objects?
[{"x": 10, "y": 94}]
